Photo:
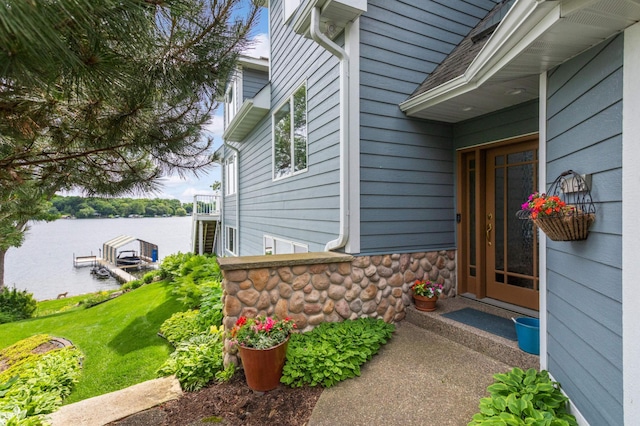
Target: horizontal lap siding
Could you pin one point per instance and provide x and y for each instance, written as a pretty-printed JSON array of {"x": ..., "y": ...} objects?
[
  {"x": 406, "y": 165},
  {"x": 504, "y": 124},
  {"x": 302, "y": 208},
  {"x": 584, "y": 125},
  {"x": 253, "y": 81}
]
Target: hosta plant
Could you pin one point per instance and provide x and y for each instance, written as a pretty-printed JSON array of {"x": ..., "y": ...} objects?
[{"x": 524, "y": 398}]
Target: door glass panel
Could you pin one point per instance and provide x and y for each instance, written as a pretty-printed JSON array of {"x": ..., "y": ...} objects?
[
  {"x": 520, "y": 157},
  {"x": 498, "y": 231},
  {"x": 472, "y": 271},
  {"x": 520, "y": 282},
  {"x": 499, "y": 278},
  {"x": 472, "y": 218},
  {"x": 499, "y": 161},
  {"x": 519, "y": 232}
]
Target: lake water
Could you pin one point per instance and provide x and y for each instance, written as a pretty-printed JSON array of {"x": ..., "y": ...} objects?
[{"x": 44, "y": 263}]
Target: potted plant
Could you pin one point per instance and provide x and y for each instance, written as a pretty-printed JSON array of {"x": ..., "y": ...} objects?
[
  {"x": 557, "y": 219},
  {"x": 262, "y": 343},
  {"x": 425, "y": 294}
]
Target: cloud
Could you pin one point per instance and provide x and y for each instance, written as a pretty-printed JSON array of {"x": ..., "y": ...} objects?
[
  {"x": 215, "y": 127},
  {"x": 259, "y": 47}
]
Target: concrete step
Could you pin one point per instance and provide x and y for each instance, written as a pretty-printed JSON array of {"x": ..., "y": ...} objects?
[{"x": 496, "y": 347}]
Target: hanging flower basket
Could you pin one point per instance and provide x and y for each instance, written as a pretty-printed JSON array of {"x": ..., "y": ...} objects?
[
  {"x": 565, "y": 228},
  {"x": 565, "y": 212}
]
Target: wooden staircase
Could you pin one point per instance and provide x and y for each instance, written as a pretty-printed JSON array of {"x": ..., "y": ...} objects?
[
  {"x": 210, "y": 230},
  {"x": 206, "y": 232}
]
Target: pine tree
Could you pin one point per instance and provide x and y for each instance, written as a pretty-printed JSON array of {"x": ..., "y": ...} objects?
[{"x": 106, "y": 96}]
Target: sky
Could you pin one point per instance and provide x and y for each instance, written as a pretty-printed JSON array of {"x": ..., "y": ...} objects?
[{"x": 185, "y": 189}]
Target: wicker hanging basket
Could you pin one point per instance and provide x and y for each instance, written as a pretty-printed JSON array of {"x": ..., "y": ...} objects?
[
  {"x": 573, "y": 226},
  {"x": 565, "y": 228}
]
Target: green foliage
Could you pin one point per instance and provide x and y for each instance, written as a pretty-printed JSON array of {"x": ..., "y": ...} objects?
[
  {"x": 196, "y": 361},
  {"x": 182, "y": 326},
  {"x": 21, "y": 352},
  {"x": 191, "y": 276},
  {"x": 16, "y": 305},
  {"x": 170, "y": 266},
  {"x": 211, "y": 305},
  {"x": 524, "y": 398},
  {"x": 95, "y": 299},
  {"x": 131, "y": 285},
  {"x": 38, "y": 386},
  {"x": 89, "y": 207},
  {"x": 150, "y": 276},
  {"x": 333, "y": 352}
]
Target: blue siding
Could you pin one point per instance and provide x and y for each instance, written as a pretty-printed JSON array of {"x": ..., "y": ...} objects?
[
  {"x": 406, "y": 165},
  {"x": 302, "y": 208},
  {"x": 507, "y": 123},
  {"x": 584, "y": 125},
  {"x": 252, "y": 82}
]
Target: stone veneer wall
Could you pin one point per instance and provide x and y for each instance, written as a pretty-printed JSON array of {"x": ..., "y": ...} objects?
[{"x": 312, "y": 288}]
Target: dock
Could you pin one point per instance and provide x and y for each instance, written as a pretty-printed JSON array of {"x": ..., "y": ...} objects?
[{"x": 118, "y": 272}]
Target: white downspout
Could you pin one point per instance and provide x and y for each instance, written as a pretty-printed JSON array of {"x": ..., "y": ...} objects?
[
  {"x": 341, "y": 54},
  {"x": 236, "y": 175}
]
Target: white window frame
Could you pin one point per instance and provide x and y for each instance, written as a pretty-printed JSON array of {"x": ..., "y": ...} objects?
[
  {"x": 231, "y": 97},
  {"x": 270, "y": 246},
  {"x": 289, "y": 7},
  {"x": 230, "y": 183},
  {"x": 290, "y": 101},
  {"x": 231, "y": 239}
]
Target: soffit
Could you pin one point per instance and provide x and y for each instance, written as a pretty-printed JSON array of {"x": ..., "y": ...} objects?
[
  {"x": 251, "y": 112},
  {"x": 533, "y": 38}
]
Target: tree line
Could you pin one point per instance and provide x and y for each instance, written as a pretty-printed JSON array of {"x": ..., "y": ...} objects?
[{"x": 92, "y": 207}]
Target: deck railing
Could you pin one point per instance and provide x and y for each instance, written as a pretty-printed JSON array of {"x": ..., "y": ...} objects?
[{"x": 206, "y": 205}]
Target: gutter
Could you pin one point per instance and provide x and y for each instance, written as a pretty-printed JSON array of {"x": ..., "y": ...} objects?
[{"x": 341, "y": 54}]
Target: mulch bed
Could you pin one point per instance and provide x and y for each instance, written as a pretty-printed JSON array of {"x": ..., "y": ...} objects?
[{"x": 232, "y": 403}]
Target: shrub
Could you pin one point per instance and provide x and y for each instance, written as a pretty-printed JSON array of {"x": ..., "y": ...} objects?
[
  {"x": 182, "y": 326},
  {"x": 333, "y": 352},
  {"x": 20, "y": 352},
  {"x": 16, "y": 305},
  {"x": 197, "y": 361},
  {"x": 211, "y": 305},
  {"x": 170, "y": 266},
  {"x": 524, "y": 398},
  {"x": 191, "y": 277},
  {"x": 95, "y": 299},
  {"x": 38, "y": 386},
  {"x": 150, "y": 276},
  {"x": 131, "y": 285}
]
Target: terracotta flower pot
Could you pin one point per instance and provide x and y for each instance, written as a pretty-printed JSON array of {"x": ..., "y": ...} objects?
[
  {"x": 263, "y": 367},
  {"x": 426, "y": 304}
]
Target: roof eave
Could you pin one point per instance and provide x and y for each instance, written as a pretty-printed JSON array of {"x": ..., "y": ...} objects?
[{"x": 249, "y": 115}]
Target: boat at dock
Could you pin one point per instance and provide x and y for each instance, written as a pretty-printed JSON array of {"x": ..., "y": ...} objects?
[{"x": 128, "y": 258}]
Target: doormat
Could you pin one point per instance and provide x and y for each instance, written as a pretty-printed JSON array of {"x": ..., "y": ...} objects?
[{"x": 493, "y": 324}]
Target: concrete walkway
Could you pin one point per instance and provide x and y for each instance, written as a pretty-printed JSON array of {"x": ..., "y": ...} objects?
[
  {"x": 107, "y": 408},
  {"x": 417, "y": 378}
]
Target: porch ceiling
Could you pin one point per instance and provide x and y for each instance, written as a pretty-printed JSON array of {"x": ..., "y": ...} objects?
[{"x": 534, "y": 36}]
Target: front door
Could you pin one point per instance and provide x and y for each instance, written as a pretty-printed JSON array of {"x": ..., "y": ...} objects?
[{"x": 498, "y": 250}]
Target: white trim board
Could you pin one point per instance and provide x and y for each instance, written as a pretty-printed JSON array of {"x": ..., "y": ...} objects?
[{"x": 631, "y": 225}]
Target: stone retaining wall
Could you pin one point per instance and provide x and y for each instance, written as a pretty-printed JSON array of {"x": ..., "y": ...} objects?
[{"x": 312, "y": 288}]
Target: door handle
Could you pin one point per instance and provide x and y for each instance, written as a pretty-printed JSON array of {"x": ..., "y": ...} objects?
[{"x": 489, "y": 229}]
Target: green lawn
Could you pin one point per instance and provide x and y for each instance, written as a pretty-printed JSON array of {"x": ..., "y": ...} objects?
[{"x": 118, "y": 338}]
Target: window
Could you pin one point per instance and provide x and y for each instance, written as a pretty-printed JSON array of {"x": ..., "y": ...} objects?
[
  {"x": 230, "y": 186},
  {"x": 289, "y": 7},
  {"x": 274, "y": 245},
  {"x": 231, "y": 100},
  {"x": 290, "y": 136},
  {"x": 230, "y": 240}
]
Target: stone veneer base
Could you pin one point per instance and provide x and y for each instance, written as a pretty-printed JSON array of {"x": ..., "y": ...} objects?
[{"x": 312, "y": 288}]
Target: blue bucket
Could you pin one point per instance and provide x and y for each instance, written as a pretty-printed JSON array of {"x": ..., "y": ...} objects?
[{"x": 528, "y": 331}]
